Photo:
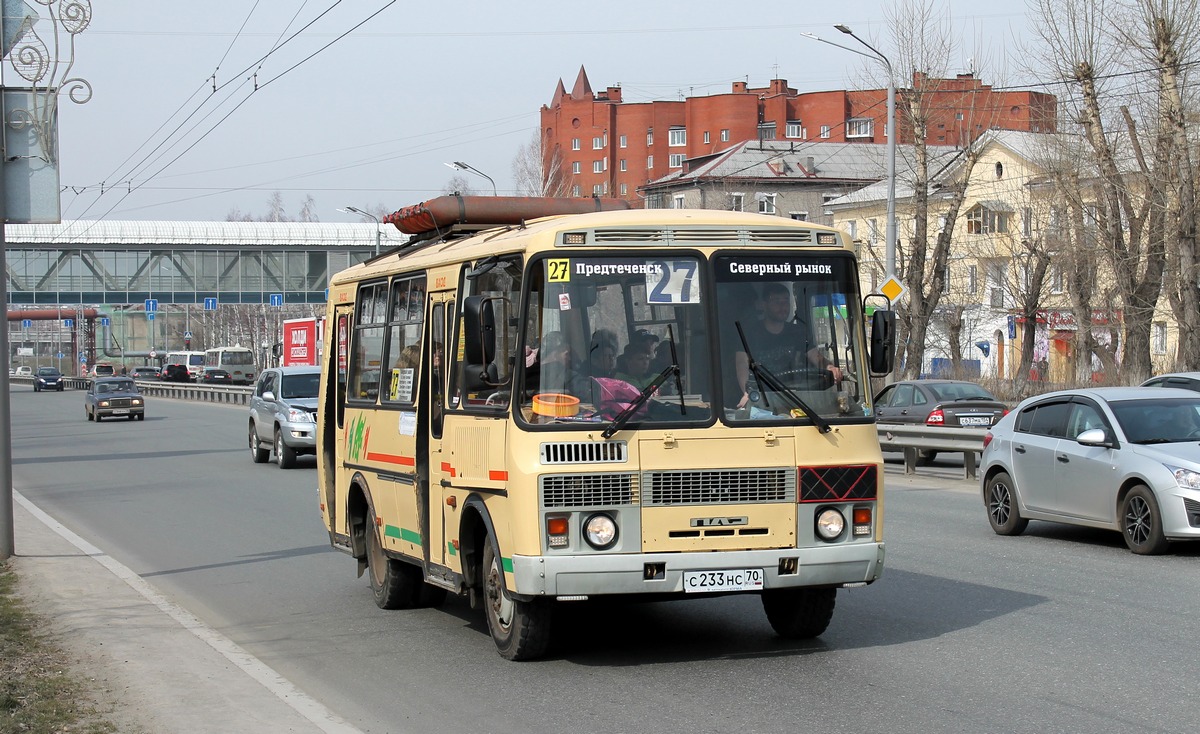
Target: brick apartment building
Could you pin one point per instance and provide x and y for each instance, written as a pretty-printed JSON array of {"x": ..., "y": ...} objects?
[{"x": 596, "y": 145}]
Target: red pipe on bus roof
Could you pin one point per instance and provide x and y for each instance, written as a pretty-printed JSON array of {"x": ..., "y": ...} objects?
[
  {"x": 53, "y": 314},
  {"x": 445, "y": 211}
]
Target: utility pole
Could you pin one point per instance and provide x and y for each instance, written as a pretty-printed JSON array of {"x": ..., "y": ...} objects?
[{"x": 31, "y": 152}]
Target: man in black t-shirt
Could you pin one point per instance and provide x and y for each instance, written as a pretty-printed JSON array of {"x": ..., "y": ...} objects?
[{"x": 777, "y": 343}]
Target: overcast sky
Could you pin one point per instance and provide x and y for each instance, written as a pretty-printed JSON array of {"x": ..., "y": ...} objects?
[{"x": 371, "y": 120}]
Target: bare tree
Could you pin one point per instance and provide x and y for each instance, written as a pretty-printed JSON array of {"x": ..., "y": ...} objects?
[
  {"x": 924, "y": 42},
  {"x": 540, "y": 172},
  {"x": 458, "y": 184}
]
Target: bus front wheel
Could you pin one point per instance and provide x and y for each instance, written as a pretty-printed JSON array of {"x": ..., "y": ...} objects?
[
  {"x": 520, "y": 629},
  {"x": 799, "y": 614}
]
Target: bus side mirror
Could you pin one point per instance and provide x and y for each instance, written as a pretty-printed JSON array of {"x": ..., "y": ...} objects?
[
  {"x": 479, "y": 324},
  {"x": 883, "y": 342},
  {"x": 479, "y": 369}
]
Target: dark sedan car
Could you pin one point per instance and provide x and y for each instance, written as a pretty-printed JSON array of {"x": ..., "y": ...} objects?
[
  {"x": 954, "y": 403},
  {"x": 48, "y": 378},
  {"x": 144, "y": 373},
  {"x": 176, "y": 373},
  {"x": 212, "y": 376},
  {"x": 114, "y": 396}
]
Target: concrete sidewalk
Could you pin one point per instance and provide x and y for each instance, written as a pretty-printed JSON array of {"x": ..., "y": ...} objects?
[{"x": 164, "y": 670}]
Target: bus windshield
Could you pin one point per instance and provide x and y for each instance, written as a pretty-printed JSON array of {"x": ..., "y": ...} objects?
[
  {"x": 786, "y": 342},
  {"x": 601, "y": 332},
  {"x": 602, "y": 329}
]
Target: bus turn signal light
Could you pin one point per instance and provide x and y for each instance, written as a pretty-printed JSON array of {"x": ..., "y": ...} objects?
[
  {"x": 862, "y": 520},
  {"x": 557, "y": 529}
]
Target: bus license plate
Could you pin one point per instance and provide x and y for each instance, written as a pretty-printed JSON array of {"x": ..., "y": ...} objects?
[{"x": 745, "y": 579}]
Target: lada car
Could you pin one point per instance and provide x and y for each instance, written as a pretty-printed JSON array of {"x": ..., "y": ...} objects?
[{"x": 109, "y": 397}]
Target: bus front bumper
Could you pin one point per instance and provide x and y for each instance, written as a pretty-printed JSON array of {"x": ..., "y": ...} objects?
[{"x": 663, "y": 573}]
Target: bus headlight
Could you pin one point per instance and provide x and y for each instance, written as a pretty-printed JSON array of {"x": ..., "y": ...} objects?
[
  {"x": 830, "y": 524},
  {"x": 600, "y": 531}
]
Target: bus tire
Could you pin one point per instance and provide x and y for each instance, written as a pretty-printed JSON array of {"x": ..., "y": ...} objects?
[
  {"x": 394, "y": 583},
  {"x": 520, "y": 629},
  {"x": 799, "y": 614}
]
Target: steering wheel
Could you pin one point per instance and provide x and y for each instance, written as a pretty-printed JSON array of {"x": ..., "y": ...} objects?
[{"x": 807, "y": 378}]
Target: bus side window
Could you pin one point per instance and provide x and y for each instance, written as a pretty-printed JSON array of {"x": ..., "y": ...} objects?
[
  {"x": 367, "y": 350},
  {"x": 404, "y": 341},
  {"x": 437, "y": 341}
]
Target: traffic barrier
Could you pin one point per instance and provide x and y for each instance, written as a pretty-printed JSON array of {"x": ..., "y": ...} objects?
[{"x": 911, "y": 438}]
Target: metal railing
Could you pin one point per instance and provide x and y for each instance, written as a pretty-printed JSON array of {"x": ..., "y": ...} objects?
[
  {"x": 913, "y": 438},
  {"x": 234, "y": 394}
]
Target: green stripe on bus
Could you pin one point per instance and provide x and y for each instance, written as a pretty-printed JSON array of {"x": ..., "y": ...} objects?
[
  {"x": 507, "y": 563},
  {"x": 451, "y": 549},
  {"x": 410, "y": 536}
]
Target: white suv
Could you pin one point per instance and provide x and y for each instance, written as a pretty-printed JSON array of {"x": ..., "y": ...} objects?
[{"x": 283, "y": 414}]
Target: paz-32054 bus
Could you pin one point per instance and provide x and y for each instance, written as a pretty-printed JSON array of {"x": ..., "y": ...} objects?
[{"x": 531, "y": 405}]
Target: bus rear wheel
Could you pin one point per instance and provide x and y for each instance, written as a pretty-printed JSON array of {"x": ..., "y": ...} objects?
[
  {"x": 799, "y": 614},
  {"x": 520, "y": 629}
]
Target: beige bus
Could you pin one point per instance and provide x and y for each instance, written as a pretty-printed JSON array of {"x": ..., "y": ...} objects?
[{"x": 533, "y": 404}]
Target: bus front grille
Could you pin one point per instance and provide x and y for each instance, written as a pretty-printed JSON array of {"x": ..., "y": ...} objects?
[
  {"x": 588, "y": 490},
  {"x": 718, "y": 486},
  {"x": 837, "y": 483}
]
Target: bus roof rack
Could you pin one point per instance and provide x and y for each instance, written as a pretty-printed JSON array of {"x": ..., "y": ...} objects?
[{"x": 457, "y": 214}]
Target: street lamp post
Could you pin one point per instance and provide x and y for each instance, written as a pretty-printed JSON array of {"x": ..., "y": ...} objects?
[
  {"x": 890, "y": 231},
  {"x": 468, "y": 167},
  {"x": 890, "y": 225},
  {"x": 378, "y": 224}
]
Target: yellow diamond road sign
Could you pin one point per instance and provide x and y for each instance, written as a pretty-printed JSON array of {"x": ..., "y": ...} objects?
[{"x": 893, "y": 289}]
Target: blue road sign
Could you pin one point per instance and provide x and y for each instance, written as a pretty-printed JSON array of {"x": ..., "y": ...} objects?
[
  {"x": 151, "y": 305},
  {"x": 210, "y": 304},
  {"x": 68, "y": 323},
  {"x": 1012, "y": 327},
  {"x": 26, "y": 323},
  {"x": 60, "y": 355},
  {"x": 150, "y": 315},
  {"x": 82, "y": 359},
  {"x": 104, "y": 321},
  {"x": 187, "y": 335},
  {"x": 277, "y": 299}
]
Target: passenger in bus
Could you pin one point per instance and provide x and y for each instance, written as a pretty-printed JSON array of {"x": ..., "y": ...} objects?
[
  {"x": 602, "y": 359},
  {"x": 635, "y": 369},
  {"x": 778, "y": 343}
]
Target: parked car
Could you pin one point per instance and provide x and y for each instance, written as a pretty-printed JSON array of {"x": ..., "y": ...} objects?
[
  {"x": 144, "y": 373},
  {"x": 176, "y": 373},
  {"x": 283, "y": 412},
  {"x": 114, "y": 396},
  {"x": 24, "y": 371},
  {"x": 214, "y": 376},
  {"x": 1185, "y": 380},
  {"x": 955, "y": 403},
  {"x": 1122, "y": 458},
  {"x": 48, "y": 378}
]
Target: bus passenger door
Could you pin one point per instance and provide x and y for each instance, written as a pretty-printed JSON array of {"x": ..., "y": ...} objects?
[
  {"x": 332, "y": 416},
  {"x": 433, "y": 468}
]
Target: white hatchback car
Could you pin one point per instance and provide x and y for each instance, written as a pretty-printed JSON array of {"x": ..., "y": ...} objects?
[
  {"x": 24, "y": 371},
  {"x": 1124, "y": 458}
]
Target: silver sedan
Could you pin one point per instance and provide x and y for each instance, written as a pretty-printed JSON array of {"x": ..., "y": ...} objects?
[{"x": 1123, "y": 458}]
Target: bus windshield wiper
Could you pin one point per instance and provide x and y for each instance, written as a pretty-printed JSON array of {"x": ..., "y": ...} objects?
[
  {"x": 771, "y": 382},
  {"x": 672, "y": 369}
]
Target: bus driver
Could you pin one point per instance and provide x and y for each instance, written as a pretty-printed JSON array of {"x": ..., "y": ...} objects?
[{"x": 775, "y": 341}]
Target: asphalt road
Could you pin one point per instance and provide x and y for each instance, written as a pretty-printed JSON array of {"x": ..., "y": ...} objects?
[{"x": 1061, "y": 629}]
